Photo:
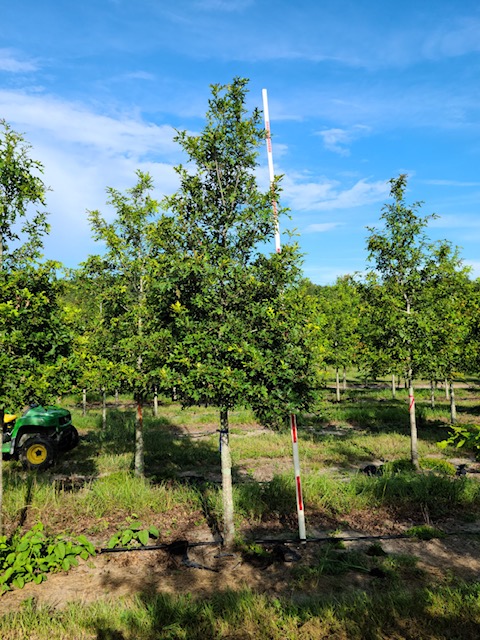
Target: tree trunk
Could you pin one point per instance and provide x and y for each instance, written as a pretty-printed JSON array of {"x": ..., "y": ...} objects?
[
  {"x": 116, "y": 397},
  {"x": 344, "y": 379},
  {"x": 337, "y": 384},
  {"x": 413, "y": 426},
  {"x": 139, "y": 445},
  {"x": 104, "y": 409},
  {"x": 394, "y": 387},
  {"x": 432, "y": 394},
  {"x": 139, "y": 459},
  {"x": 2, "y": 414},
  {"x": 453, "y": 407},
  {"x": 155, "y": 402},
  {"x": 447, "y": 395},
  {"x": 84, "y": 402},
  {"x": 227, "y": 489}
]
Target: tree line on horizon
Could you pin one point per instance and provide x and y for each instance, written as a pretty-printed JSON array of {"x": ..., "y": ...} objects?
[{"x": 185, "y": 297}]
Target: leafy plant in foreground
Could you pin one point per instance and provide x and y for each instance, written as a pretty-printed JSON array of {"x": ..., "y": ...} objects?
[
  {"x": 32, "y": 556},
  {"x": 467, "y": 435},
  {"x": 134, "y": 533}
]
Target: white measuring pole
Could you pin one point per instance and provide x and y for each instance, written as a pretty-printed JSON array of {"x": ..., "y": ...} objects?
[
  {"x": 298, "y": 481},
  {"x": 270, "y": 168},
  {"x": 293, "y": 419}
]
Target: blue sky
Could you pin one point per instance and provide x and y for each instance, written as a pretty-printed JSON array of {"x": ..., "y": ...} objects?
[{"x": 358, "y": 93}]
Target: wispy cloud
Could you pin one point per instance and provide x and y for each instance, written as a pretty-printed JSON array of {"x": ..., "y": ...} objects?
[
  {"x": 321, "y": 227},
  {"x": 324, "y": 194},
  {"x": 83, "y": 153},
  {"x": 222, "y": 5},
  {"x": 11, "y": 62},
  {"x": 338, "y": 140},
  {"x": 451, "y": 183},
  {"x": 454, "y": 39},
  {"x": 74, "y": 123}
]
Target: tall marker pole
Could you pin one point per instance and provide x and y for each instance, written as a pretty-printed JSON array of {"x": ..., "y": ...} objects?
[
  {"x": 293, "y": 419},
  {"x": 270, "y": 169}
]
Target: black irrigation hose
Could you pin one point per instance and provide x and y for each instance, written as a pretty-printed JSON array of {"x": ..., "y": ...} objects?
[
  {"x": 191, "y": 545},
  {"x": 158, "y": 547}
]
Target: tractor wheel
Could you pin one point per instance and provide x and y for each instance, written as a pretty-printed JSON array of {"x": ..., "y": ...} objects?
[
  {"x": 74, "y": 439},
  {"x": 37, "y": 454}
]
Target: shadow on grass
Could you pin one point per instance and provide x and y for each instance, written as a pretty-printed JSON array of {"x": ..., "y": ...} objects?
[
  {"x": 435, "y": 612},
  {"x": 374, "y": 416}
]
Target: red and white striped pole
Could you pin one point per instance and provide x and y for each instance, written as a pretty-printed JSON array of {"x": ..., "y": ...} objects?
[
  {"x": 298, "y": 481},
  {"x": 270, "y": 168},
  {"x": 293, "y": 418}
]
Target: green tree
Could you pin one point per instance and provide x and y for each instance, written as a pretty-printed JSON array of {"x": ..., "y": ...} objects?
[
  {"x": 33, "y": 340},
  {"x": 400, "y": 290},
  {"x": 451, "y": 311},
  {"x": 340, "y": 304},
  {"x": 242, "y": 333},
  {"x": 124, "y": 274},
  {"x": 21, "y": 188}
]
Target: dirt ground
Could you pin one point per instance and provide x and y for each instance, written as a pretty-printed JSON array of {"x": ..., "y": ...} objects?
[{"x": 205, "y": 569}]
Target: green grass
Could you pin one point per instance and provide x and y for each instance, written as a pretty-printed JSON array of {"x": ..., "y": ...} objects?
[
  {"x": 437, "y": 614},
  {"x": 182, "y": 462}
]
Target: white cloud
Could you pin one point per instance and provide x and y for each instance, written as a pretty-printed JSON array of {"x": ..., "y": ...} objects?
[
  {"x": 337, "y": 140},
  {"x": 321, "y": 227},
  {"x": 83, "y": 153},
  {"x": 68, "y": 122},
  {"x": 327, "y": 194},
  {"x": 12, "y": 64}
]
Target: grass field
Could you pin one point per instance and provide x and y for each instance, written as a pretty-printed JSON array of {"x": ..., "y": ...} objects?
[{"x": 330, "y": 593}]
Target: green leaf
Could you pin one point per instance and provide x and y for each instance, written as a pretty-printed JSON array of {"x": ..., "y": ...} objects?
[
  {"x": 143, "y": 536},
  {"x": 19, "y": 582},
  {"x": 127, "y": 536}
]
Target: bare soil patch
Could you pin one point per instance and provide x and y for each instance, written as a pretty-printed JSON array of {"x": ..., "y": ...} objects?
[{"x": 208, "y": 569}]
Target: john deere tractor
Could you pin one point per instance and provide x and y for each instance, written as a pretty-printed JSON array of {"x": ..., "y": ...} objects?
[{"x": 38, "y": 436}]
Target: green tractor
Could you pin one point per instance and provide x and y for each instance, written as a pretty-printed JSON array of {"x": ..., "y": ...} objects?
[{"x": 38, "y": 436}]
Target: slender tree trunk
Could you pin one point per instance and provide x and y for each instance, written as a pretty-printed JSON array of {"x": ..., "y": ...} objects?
[
  {"x": 453, "y": 407},
  {"x": 84, "y": 402},
  {"x": 447, "y": 394},
  {"x": 227, "y": 489},
  {"x": 337, "y": 384},
  {"x": 2, "y": 415},
  {"x": 394, "y": 387},
  {"x": 139, "y": 445},
  {"x": 139, "y": 457},
  {"x": 155, "y": 401},
  {"x": 104, "y": 409},
  {"x": 116, "y": 397},
  {"x": 344, "y": 379},
  {"x": 432, "y": 394},
  {"x": 413, "y": 425}
]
